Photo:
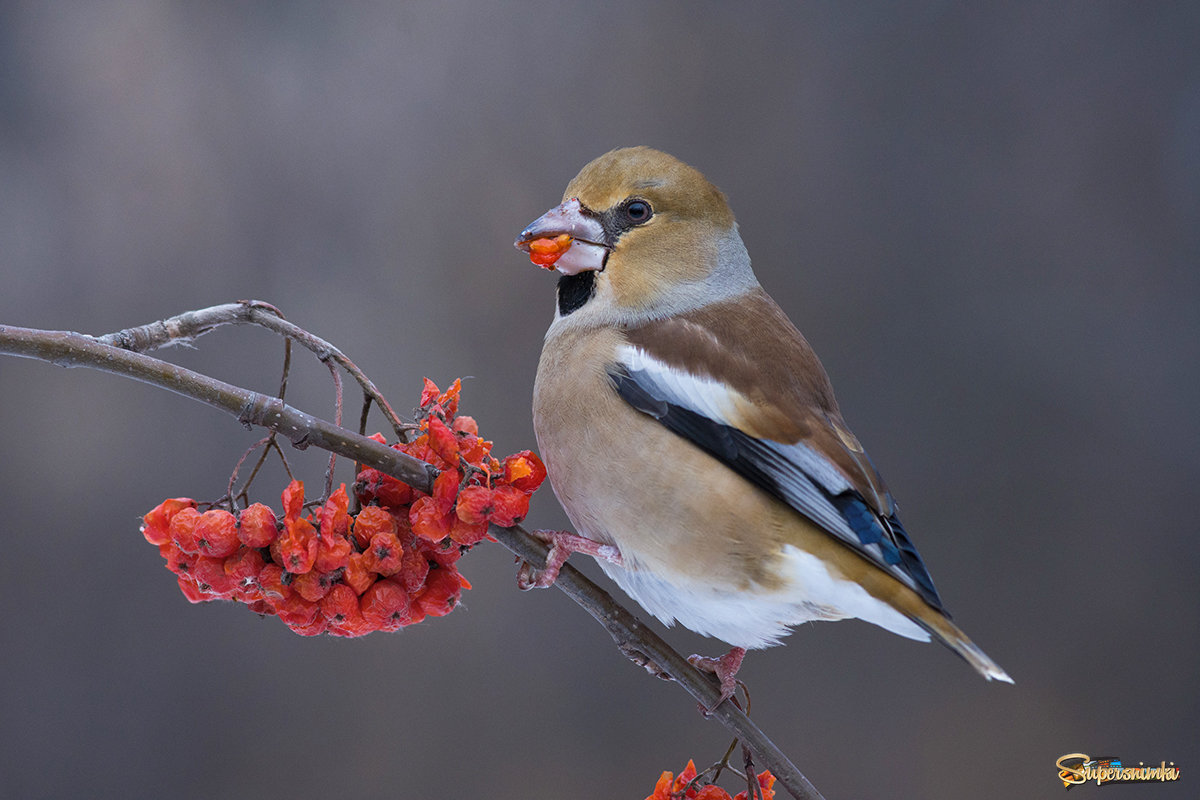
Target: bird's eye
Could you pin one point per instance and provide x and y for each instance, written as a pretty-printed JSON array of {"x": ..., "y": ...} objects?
[{"x": 638, "y": 211}]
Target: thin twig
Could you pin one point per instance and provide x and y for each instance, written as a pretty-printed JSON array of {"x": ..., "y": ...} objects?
[
  {"x": 186, "y": 327},
  {"x": 303, "y": 430}
]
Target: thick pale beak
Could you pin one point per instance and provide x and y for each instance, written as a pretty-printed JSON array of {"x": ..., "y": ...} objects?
[{"x": 581, "y": 250}]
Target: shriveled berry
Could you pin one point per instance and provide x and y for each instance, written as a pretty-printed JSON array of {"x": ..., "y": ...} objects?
[
  {"x": 441, "y": 593},
  {"x": 467, "y": 533},
  {"x": 333, "y": 553},
  {"x": 191, "y": 591},
  {"x": 386, "y": 606},
  {"x": 318, "y": 626},
  {"x": 216, "y": 533},
  {"x": 444, "y": 553},
  {"x": 244, "y": 567},
  {"x": 474, "y": 504},
  {"x": 509, "y": 506},
  {"x": 210, "y": 577},
  {"x": 257, "y": 526},
  {"x": 384, "y": 554},
  {"x": 275, "y": 587},
  {"x": 413, "y": 570},
  {"x": 293, "y": 500},
  {"x": 179, "y": 562},
  {"x": 357, "y": 576},
  {"x": 524, "y": 471},
  {"x": 313, "y": 585},
  {"x": 157, "y": 522},
  {"x": 296, "y": 611},
  {"x": 371, "y": 521},
  {"x": 427, "y": 522},
  {"x": 341, "y": 609},
  {"x": 445, "y": 489},
  {"x": 182, "y": 529},
  {"x": 443, "y": 441},
  {"x": 296, "y": 549}
]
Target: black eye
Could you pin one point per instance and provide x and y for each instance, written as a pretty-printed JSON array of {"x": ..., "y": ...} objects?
[{"x": 638, "y": 211}]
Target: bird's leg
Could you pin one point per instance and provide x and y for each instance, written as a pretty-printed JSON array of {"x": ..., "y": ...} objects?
[
  {"x": 562, "y": 545},
  {"x": 725, "y": 668}
]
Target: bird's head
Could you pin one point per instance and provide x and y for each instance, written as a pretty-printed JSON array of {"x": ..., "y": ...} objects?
[{"x": 642, "y": 233}]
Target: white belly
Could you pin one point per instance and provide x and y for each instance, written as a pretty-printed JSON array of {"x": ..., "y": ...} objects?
[{"x": 753, "y": 619}]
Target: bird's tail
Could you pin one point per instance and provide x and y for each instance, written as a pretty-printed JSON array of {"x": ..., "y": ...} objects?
[{"x": 946, "y": 632}]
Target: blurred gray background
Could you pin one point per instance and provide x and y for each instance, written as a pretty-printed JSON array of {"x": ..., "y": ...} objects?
[{"x": 985, "y": 218}]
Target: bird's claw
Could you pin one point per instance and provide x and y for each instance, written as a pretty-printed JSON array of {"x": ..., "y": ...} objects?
[
  {"x": 725, "y": 668},
  {"x": 561, "y": 545}
]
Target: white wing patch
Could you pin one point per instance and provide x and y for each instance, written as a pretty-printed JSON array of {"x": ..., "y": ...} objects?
[{"x": 705, "y": 396}]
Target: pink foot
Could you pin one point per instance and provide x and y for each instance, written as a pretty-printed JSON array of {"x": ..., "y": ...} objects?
[
  {"x": 725, "y": 668},
  {"x": 562, "y": 545}
]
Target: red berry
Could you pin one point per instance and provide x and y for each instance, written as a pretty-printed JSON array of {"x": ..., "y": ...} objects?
[
  {"x": 413, "y": 570},
  {"x": 296, "y": 611},
  {"x": 210, "y": 577},
  {"x": 313, "y": 585},
  {"x": 427, "y": 522},
  {"x": 191, "y": 591},
  {"x": 441, "y": 593},
  {"x": 445, "y": 489},
  {"x": 357, "y": 576},
  {"x": 429, "y": 393},
  {"x": 467, "y": 533},
  {"x": 524, "y": 471},
  {"x": 443, "y": 441},
  {"x": 296, "y": 549},
  {"x": 182, "y": 529},
  {"x": 384, "y": 555},
  {"x": 333, "y": 553},
  {"x": 373, "y": 486},
  {"x": 474, "y": 504},
  {"x": 293, "y": 500},
  {"x": 244, "y": 567},
  {"x": 274, "y": 588},
  {"x": 216, "y": 533},
  {"x": 444, "y": 553},
  {"x": 340, "y": 608},
  {"x": 509, "y": 506},
  {"x": 315, "y": 628},
  {"x": 156, "y": 524},
  {"x": 371, "y": 521},
  {"x": 257, "y": 526},
  {"x": 386, "y": 606},
  {"x": 179, "y": 562}
]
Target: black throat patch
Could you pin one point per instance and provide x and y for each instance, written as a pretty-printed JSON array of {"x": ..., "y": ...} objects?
[{"x": 575, "y": 290}]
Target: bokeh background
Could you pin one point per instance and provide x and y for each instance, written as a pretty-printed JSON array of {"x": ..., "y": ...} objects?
[{"x": 986, "y": 218}]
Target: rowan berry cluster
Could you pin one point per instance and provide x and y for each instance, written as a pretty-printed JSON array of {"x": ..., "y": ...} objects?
[
  {"x": 388, "y": 566},
  {"x": 685, "y": 787}
]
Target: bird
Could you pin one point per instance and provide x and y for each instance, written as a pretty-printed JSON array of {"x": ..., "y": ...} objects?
[{"x": 692, "y": 435}]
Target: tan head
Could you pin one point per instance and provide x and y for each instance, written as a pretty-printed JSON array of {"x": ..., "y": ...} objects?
[{"x": 648, "y": 236}]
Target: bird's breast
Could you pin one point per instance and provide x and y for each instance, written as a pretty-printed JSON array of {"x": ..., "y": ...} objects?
[{"x": 624, "y": 479}]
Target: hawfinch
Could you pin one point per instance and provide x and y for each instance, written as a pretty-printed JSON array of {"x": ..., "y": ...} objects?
[{"x": 692, "y": 436}]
